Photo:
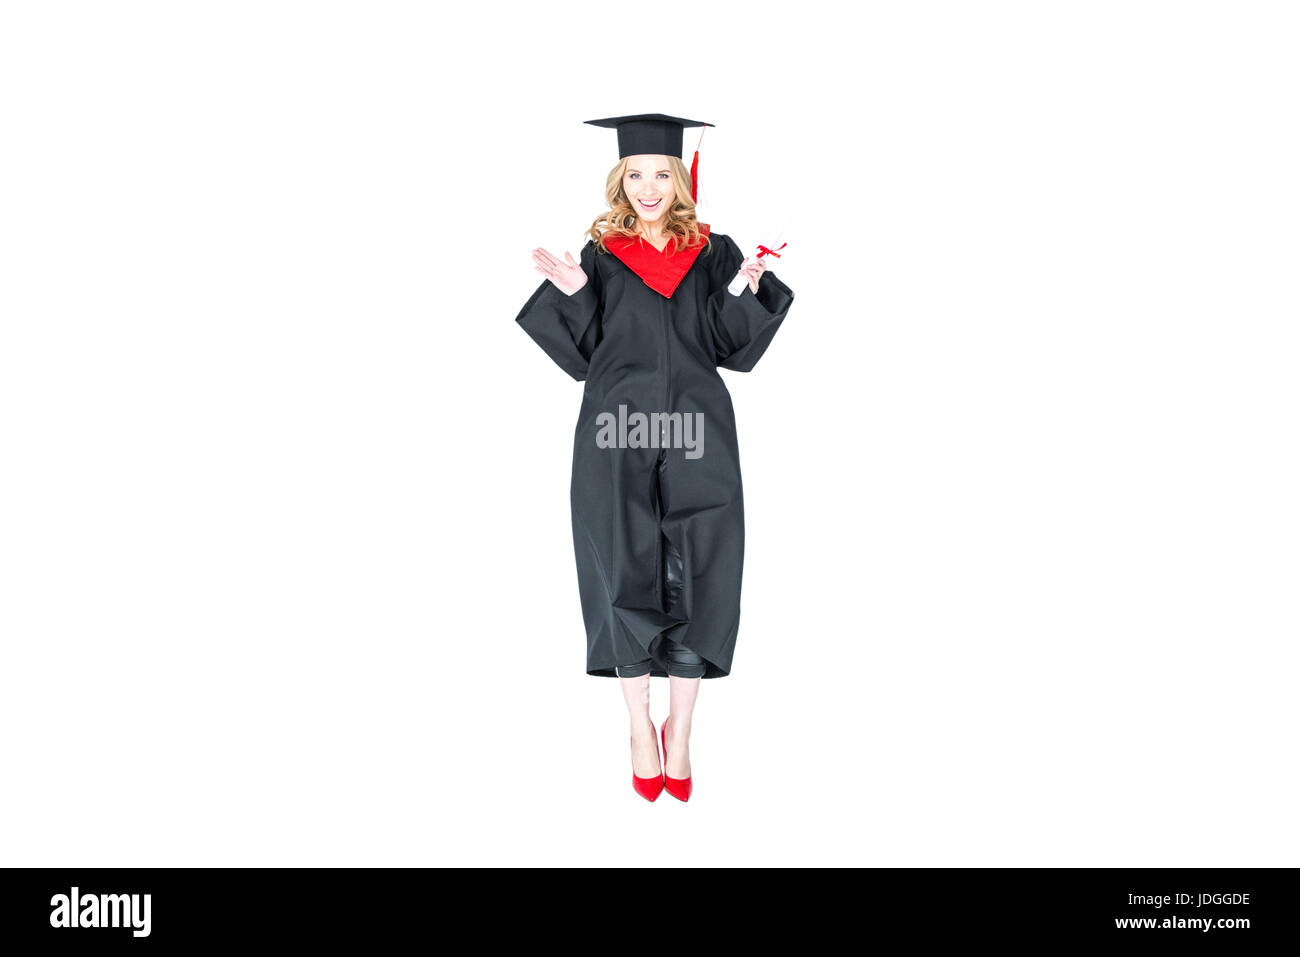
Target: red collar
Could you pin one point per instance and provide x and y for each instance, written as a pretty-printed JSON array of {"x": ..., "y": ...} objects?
[{"x": 660, "y": 271}]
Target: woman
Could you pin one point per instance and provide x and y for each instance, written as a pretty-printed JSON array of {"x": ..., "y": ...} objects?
[{"x": 646, "y": 319}]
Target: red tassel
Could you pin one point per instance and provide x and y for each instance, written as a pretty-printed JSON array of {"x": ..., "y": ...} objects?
[{"x": 695, "y": 168}]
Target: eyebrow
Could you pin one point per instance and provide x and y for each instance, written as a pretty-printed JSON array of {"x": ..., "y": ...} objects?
[{"x": 657, "y": 171}]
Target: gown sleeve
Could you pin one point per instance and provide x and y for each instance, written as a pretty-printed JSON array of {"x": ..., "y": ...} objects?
[
  {"x": 743, "y": 326},
  {"x": 567, "y": 327}
]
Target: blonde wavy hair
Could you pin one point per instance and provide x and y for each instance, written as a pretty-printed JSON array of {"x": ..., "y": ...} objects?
[{"x": 621, "y": 218}]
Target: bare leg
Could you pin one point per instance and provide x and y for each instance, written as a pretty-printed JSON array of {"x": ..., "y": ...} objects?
[
  {"x": 645, "y": 749},
  {"x": 681, "y": 706}
]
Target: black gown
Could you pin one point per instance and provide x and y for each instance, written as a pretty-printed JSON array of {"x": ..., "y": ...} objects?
[{"x": 658, "y": 533}]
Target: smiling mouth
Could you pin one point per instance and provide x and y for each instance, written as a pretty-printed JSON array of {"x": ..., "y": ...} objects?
[{"x": 649, "y": 205}]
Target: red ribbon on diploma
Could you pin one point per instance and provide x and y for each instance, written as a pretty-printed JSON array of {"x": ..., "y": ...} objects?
[{"x": 764, "y": 251}]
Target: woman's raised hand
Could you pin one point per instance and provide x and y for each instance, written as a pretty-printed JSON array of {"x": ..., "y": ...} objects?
[
  {"x": 752, "y": 270},
  {"x": 567, "y": 276}
]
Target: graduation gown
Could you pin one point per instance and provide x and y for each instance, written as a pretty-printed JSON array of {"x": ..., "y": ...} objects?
[{"x": 658, "y": 532}]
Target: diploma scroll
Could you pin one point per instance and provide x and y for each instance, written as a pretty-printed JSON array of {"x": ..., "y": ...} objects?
[{"x": 774, "y": 240}]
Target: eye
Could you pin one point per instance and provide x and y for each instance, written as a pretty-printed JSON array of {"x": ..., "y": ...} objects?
[
  {"x": 664, "y": 175},
  {"x": 633, "y": 175}
]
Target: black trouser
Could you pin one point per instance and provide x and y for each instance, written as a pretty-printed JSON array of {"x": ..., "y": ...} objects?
[{"x": 682, "y": 663}]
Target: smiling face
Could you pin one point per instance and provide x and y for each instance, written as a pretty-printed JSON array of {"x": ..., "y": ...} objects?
[{"x": 648, "y": 183}]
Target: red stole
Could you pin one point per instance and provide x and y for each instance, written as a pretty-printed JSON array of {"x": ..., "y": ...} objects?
[{"x": 659, "y": 270}]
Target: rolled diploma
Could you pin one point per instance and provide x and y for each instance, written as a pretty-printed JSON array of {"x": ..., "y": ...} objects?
[{"x": 738, "y": 284}]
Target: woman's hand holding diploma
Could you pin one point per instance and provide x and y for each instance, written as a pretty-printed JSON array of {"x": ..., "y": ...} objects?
[
  {"x": 752, "y": 270},
  {"x": 753, "y": 267},
  {"x": 567, "y": 277}
]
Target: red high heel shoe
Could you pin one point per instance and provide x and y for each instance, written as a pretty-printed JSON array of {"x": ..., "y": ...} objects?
[
  {"x": 679, "y": 788},
  {"x": 648, "y": 788}
]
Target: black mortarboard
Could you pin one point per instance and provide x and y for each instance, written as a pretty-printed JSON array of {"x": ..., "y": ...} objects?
[{"x": 652, "y": 133}]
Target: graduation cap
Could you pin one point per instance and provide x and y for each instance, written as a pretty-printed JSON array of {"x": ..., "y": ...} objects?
[{"x": 656, "y": 134}]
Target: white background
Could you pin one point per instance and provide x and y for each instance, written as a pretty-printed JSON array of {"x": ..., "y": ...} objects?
[{"x": 286, "y": 574}]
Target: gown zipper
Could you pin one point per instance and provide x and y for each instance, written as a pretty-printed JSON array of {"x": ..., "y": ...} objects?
[
  {"x": 661, "y": 462},
  {"x": 668, "y": 371}
]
